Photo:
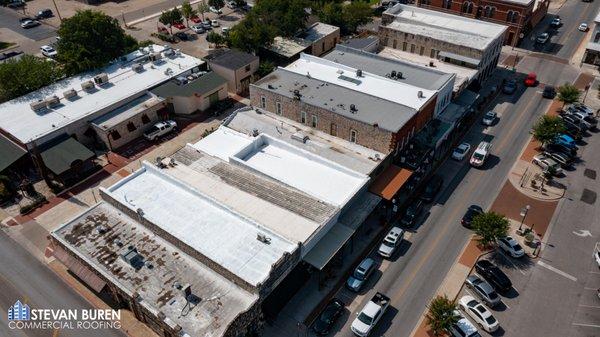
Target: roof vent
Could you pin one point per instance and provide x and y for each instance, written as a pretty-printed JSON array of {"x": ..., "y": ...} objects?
[
  {"x": 353, "y": 108},
  {"x": 155, "y": 56},
  {"x": 137, "y": 67},
  {"x": 420, "y": 94},
  {"x": 270, "y": 86},
  {"x": 377, "y": 157},
  {"x": 263, "y": 238},
  {"x": 37, "y": 105},
  {"x": 297, "y": 94},
  {"x": 254, "y": 132},
  {"x": 87, "y": 85},
  {"x": 70, "y": 93},
  {"x": 101, "y": 79},
  {"x": 393, "y": 74},
  {"x": 168, "y": 52},
  {"x": 399, "y": 75},
  {"x": 52, "y": 101},
  {"x": 168, "y": 71},
  {"x": 299, "y": 136},
  {"x": 133, "y": 258},
  {"x": 358, "y": 73}
]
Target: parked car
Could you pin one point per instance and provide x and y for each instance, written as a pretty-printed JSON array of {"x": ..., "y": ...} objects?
[
  {"x": 412, "y": 213},
  {"x": 29, "y": 24},
  {"x": 542, "y": 38},
  {"x": 183, "y": 36},
  {"x": 328, "y": 316},
  {"x": 589, "y": 121},
  {"x": 573, "y": 131},
  {"x": 198, "y": 29},
  {"x": 16, "y": 4},
  {"x": 370, "y": 315},
  {"x": 231, "y": 4},
  {"x": 225, "y": 30},
  {"x": 479, "y": 313},
  {"x": 483, "y": 289},
  {"x": 549, "y": 92},
  {"x": 44, "y": 14},
  {"x": 361, "y": 274},
  {"x": 480, "y": 154},
  {"x": 555, "y": 23},
  {"x": 472, "y": 211},
  {"x": 179, "y": 25},
  {"x": 489, "y": 118},
  {"x": 461, "y": 151},
  {"x": 215, "y": 23},
  {"x": 463, "y": 328},
  {"x": 215, "y": 10},
  {"x": 561, "y": 158},
  {"x": 546, "y": 163},
  {"x": 566, "y": 140},
  {"x": 433, "y": 187},
  {"x": 207, "y": 25},
  {"x": 48, "y": 51},
  {"x": 582, "y": 107},
  {"x": 580, "y": 123},
  {"x": 530, "y": 80},
  {"x": 493, "y": 275},
  {"x": 391, "y": 242},
  {"x": 556, "y": 147},
  {"x": 583, "y": 27},
  {"x": 160, "y": 129},
  {"x": 509, "y": 245},
  {"x": 510, "y": 87},
  {"x": 25, "y": 18}
]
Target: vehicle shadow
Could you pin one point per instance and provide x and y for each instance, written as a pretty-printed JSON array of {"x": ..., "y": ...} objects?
[
  {"x": 385, "y": 323},
  {"x": 401, "y": 251},
  {"x": 499, "y": 332},
  {"x": 491, "y": 162},
  {"x": 504, "y": 261}
]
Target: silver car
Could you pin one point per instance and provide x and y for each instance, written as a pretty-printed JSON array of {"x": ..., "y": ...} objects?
[{"x": 483, "y": 289}]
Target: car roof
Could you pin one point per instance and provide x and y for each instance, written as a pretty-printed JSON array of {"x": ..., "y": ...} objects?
[{"x": 366, "y": 263}]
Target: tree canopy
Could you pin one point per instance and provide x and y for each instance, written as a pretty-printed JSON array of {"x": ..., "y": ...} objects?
[
  {"x": 29, "y": 73},
  {"x": 490, "y": 226},
  {"x": 346, "y": 16},
  {"x": 568, "y": 93},
  {"x": 89, "y": 40},
  {"x": 441, "y": 315},
  {"x": 203, "y": 8},
  {"x": 218, "y": 4},
  {"x": 188, "y": 12},
  {"x": 547, "y": 128}
]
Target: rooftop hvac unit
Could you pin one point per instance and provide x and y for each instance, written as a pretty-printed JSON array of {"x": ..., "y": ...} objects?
[
  {"x": 37, "y": 105},
  {"x": 299, "y": 136},
  {"x": 155, "y": 56},
  {"x": 168, "y": 52},
  {"x": 87, "y": 85},
  {"x": 420, "y": 94},
  {"x": 70, "y": 93},
  {"x": 137, "y": 67},
  {"x": 358, "y": 73},
  {"x": 168, "y": 71},
  {"x": 353, "y": 108},
  {"x": 101, "y": 79},
  {"x": 263, "y": 238},
  {"x": 52, "y": 101}
]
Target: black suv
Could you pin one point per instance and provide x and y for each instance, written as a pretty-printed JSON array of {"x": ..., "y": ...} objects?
[
  {"x": 412, "y": 213},
  {"x": 44, "y": 14},
  {"x": 472, "y": 211},
  {"x": 561, "y": 148},
  {"x": 493, "y": 275},
  {"x": 433, "y": 187},
  {"x": 328, "y": 316}
]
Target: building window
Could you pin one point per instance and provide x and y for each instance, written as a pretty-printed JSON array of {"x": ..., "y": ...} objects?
[
  {"x": 447, "y": 4},
  {"x": 404, "y": 46},
  {"x": 314, "y": 121},
  {"x": 353, "y": 136},
  {"x": 279, "y": 110},
  {"x": 115, "y": 134},
  {"x": 394, "y": 45},
  {"x": 412, "y": 48},
  {"x": 489, "y": 11},
  {"x": 333, "y": 130},
  {"x": 422, "y": 50},
  {"x": 145, "y": 119},
  {"x": 433, "y": 53},
  {"x": 512, "y": 16},
  {"x": 467, "y": 7},
  {"x": 248, "y": 67},
  {"x": 131, "y": 127},
  {"x": 303, "y": 117},
  {"x": 263, "y": 102}
]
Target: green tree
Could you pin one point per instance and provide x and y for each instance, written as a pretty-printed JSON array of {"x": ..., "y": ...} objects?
[
  {"x": 217, "y": 39},
  {"x": 489, "y": 226},
  {"x": 203, "y": 8},
  {"x": 356, "y": 14},
  {"x": 176, "y": 14},
  {"x": 166, "y": 18},
  {"x": 441, "y": 315},
  {"x": 89, "y": 40},
  {"x": 568, "y": 93},
  {"x": 249, "y": 35},
  {"x": 547, "y": 128},
  {"x": 332, "y": 13},
  {"x": 29, "y": 73},
  {"x": 218, "y": 4},
  {"x": 188, "y": 12},
  {"x": 265, "y": 68}
]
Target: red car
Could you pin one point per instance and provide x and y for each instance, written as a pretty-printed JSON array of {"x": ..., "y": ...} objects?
[
  {"x": 195, "y": 19},
  {"x": 530, "y": 80},
  {"x": 179, "y": 25}
]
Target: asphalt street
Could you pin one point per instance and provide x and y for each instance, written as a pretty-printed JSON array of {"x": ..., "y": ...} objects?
[
  {"x": 24, "y": 278},
  {"x": 9, "y": 18}
]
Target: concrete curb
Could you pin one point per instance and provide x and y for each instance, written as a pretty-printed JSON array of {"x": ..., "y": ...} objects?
[{"x": 148, "y": 17}]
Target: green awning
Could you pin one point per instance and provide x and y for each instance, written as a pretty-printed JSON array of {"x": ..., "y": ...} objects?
[
  {"x": 60, "y": 157},
  {"x": 9, "y": 152}
]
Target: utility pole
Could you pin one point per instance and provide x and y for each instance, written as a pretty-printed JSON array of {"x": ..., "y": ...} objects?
[{"x": 57, "y": 11}]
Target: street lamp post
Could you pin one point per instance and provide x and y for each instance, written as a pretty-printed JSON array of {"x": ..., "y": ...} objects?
[{"x": 524, "y": 211}]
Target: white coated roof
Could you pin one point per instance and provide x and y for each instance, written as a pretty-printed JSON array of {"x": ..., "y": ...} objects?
[
  {"x": 17, "y": 117},
  {"x": 202, "y": 223},
  {"x": 317, "y": 31},
  {"x": 374, "y": 85},
  {"x": 293, "y": 166},
  {"x": 454, "y": 29}
]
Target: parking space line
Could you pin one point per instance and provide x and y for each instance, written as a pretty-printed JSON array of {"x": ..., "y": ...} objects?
[
  {"x": 508, "y": 259},
  {"x": 589, "y": 306},
  {"x": 588, "y": 288},
  {"x": 594, "y": 272},
  {"x": 587, "y": 325},
  {"x": 556, "y": 270}
]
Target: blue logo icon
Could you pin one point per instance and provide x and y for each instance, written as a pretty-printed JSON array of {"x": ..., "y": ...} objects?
[{"x": 19, "y": 312}]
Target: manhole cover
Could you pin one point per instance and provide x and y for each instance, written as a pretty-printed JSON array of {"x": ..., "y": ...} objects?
[
  {"x": 588, "y": 196},
  {"x": 590, "y": 174}
]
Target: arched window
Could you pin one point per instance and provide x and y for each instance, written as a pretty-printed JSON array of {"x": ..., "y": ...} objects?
[
  {"x": 470, "y": 8},
  {"x": 515, "y": 17},
  {"x": 509, "y": 16},
  {"x": 447, "y": 4},
  {"x": 467, "y": 7}
]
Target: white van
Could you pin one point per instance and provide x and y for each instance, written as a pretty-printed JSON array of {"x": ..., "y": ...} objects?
[{"x": 480, "y": 154}]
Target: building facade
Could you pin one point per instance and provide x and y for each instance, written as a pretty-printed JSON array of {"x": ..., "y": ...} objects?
[
  {"x": 592, "y": 49},
  {"x": 236, "y": 67}
]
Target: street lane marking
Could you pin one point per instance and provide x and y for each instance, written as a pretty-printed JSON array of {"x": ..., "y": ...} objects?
[
  {"x": 589, "y": 306},
  {"x": 587, "y": 325},
  {"x": 594, "y": 272},
  {"x": 558, "y": 271},
  {"x": 588, "y": 288}
]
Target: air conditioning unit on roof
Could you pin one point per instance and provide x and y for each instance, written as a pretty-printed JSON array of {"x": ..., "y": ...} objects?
[
  {"x": 137, "y": 67},
  {"x": 101, "y": 79},
  {"x": 70, "y": 93},
  {"x": 52, "y": 101},
  {"x": 155, "y": 56},
  {"x": 87, "y": 85},
  {"x": 37, "y": 105}
]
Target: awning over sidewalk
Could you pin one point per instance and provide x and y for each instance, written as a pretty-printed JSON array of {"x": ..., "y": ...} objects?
[
  {"x": 77, "y": 268},
  {"x": 9, "y": 152},
  {"x": 388, "y": 183},
  {"x": 62, "y": 156},
  {"x": 328, "y": 246}
]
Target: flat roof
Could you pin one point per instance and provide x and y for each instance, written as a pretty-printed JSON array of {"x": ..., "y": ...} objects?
[
  {"x": 17, "y": 117},
  {"x": 317, "y": 31},
  {"x": 231, "y": 59},
  {"x": 205, "y": 83},
  {"x": 360, "y": 43},
  {"x": 412, "y": 74},
  {"x": 454, "y": 29},
  {"x": 463, "y": 74},
  {"x": 127, "y": 111},
  {"x": 371, "y": 84},
  {"x": 288, "y": 47},
  {"x": 101, "y": 234},
  {"x": 204, "y": 224}
]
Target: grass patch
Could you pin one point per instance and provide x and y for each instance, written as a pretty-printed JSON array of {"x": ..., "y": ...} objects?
[{"x": 4, "y": 45}]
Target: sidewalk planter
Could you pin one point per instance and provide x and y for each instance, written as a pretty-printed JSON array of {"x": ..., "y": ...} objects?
[{"x": 529, "y": 238}]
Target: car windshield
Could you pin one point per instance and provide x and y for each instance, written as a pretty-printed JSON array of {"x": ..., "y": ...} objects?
[
  {"x": 388, "y": 243},
  {"x": 490, "y": 320},
  {"x": 461, "y": 150},
  {"x": 365, "y": 319},
  {"x": 359, "y": 274},
  {"x": 517, "y": 247},
  {"x": 478, "y": 156},
  {"x": 152, "y": 129}
]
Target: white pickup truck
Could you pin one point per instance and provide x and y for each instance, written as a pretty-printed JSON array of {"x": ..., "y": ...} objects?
[
  {"x": 160, "y": 129},
  {"x": 370, "y": 315}
]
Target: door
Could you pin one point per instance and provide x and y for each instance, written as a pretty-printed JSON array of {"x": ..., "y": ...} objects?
[
  {"x": 213, "y": 98},
  {"x": 245, "y": 86}
]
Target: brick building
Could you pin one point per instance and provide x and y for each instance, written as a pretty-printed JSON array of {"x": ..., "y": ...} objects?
[
  {"x": 377, "y": 112},
  {"x": 449, "y": 38},
  {"x": 519, "y": 15}
]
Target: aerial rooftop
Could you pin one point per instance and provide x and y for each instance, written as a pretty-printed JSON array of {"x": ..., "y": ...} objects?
[
  {"x": 103, "y": 234},
  {"x": 454, "y": 29},
  {"x": 412, "y": 74},
  {"x": 18, "y": 118},
  {"x": 317, "y": 31}
]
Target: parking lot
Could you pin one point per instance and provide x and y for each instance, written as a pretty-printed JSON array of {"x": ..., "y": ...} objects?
[{"x": 10, "y": 19}]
